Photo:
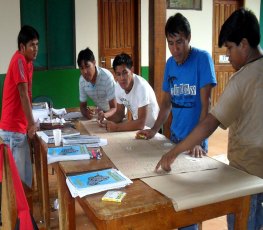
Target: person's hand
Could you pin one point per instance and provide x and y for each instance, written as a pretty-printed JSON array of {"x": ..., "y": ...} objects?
[
  {"x": 101, "y": 116},
  {"x": 111, "y": 126},
  {"x": 89, "y": 113},
  {"x": 145, "y": 134},
  {"x": 102, "y": 123},
  {"x": 31, "y": 131},
  {"x": 197, "y": 152},
  {"x": 166, "y": 161}
]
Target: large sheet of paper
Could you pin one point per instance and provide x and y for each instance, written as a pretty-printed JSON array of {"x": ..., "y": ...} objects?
[
  {"x": 137, "y": 158},
  {"x": 194, "y": 189}
]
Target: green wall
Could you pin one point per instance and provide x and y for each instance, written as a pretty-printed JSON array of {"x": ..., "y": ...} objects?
[
  {"x": 145, "y": 72},
  {"x": 61, "y": 86}
]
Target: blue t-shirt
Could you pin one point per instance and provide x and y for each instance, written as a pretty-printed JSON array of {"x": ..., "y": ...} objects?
[{"x": 184, "y": 83}]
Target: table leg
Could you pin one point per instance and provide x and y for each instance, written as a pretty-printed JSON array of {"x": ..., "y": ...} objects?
[
  {"x": 41, "y": 171},
  {"x": 67, "y": 219},
  {"x": 241, "y": 217},
  {"x": 44, "y": 186}
]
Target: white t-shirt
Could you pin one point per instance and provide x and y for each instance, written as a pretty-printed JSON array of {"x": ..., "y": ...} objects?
[{"x": 140, "y": 95}]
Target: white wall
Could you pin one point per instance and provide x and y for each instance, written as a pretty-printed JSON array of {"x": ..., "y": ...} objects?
[
  {"x": 9, "y": 27},
  {"x": 254, "y": 5},
  {"x": 144, "y": 32},
  {"x": 86, "y": 19},
  {"x": 201, "y": 23},
  {"x": 87, "y": 27}
]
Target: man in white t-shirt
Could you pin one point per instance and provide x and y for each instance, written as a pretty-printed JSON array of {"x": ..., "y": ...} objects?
[{"x": 134, "y": 93}]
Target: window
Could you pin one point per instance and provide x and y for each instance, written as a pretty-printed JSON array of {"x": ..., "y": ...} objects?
[{"x": 54, "y": 20}]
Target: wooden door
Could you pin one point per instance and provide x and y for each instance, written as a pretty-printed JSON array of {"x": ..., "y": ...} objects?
[
  {"x": 119, "y": 31},
  {"x": 222, "y": 10}
]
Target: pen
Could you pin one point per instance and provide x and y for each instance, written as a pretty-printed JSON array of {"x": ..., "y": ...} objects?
[{"x": 94, "y": 154}]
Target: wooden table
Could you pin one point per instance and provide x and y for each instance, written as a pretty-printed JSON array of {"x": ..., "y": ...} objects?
[
  {"x": 142, "y": 208},
  {"x": 41, "y": 171}
]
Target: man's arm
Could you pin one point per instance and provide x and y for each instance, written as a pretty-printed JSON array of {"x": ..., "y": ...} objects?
[
  {"x": 203, "y": 130},
  {"x": 119, "y": 115},
  {"x": 205, "y": 94},
  {"x": 27, "y": 108},
  {"x": 164, "y": 112},
  {"x": 112, "y": 110},
  {"x": 84, "y": 110},
  {"x": 162, "y": 117},
  {"x": 129, "y": 125}
]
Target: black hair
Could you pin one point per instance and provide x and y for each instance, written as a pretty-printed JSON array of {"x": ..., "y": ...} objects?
[
  {"x": 242, "y": 23},
  {"x": 85, "y": 55},
  {"x": 26, "y": 34},
  {"x": 176, "y": 24},
  {"x": 122, "y": 59}
]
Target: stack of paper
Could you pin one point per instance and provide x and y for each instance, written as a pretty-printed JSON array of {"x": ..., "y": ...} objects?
[
  {"x": 47, "y": 135},
  {"x": 67, "y": 153},
  {"x": 72, "y": 115},
  {"x": 97, "y": 181},
  {"x": 80, "y": 139},
  {"x": 40, "y": 111},
  {"x": 39, "y": 105}
]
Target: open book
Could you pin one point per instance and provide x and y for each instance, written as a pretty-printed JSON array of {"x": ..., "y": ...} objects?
[
  {"x": 97, "y": 181},
  {"x": 47, "y": 135}
]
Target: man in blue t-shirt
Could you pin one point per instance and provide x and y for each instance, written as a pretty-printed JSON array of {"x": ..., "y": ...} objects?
[{"x": 188, "y": 80}]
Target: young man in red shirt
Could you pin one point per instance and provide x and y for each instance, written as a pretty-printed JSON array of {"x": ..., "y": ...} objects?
[{"x": 17, "y": 122}]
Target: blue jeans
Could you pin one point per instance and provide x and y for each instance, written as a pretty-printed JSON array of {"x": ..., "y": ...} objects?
[
  {"x": 19, "y": 146},
  {"x": 190, "y": 227},
  {"x": 255, "y": 220}
]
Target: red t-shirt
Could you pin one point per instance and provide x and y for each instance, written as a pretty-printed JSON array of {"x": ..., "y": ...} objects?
[{"x": 13, "y": 117}]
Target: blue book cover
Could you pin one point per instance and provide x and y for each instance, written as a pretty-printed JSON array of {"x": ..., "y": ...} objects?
[
  {"x": 102, "y": 177},
  {"x": 68, "y": 151}
]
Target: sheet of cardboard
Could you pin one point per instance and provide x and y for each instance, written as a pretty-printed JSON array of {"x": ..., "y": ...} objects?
[
  {"x": 137, "y": 158},
  {"x": 194, "y": 189}
]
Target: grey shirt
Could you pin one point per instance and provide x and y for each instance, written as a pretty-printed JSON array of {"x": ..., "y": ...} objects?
[{"x": 101, "y": 92}]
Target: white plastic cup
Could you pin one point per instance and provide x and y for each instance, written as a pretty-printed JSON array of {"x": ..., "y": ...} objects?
[{"x": 57, "y": 136}]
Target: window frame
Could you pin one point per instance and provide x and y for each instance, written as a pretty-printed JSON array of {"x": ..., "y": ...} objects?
[{"x": 42, "y": 24}]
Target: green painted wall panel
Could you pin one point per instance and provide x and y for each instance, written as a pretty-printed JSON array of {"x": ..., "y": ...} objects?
[
  {"x": 61, "y": 86},
  {"x": 145, "y": 72}
]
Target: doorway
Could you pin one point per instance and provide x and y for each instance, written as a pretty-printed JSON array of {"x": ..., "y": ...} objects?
[
  {"x": 222, "y": 10},
  {"x": 119, "y": 31}
]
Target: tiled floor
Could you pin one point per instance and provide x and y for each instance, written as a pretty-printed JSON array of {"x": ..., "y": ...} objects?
[{"x": 217, "y": 147}]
